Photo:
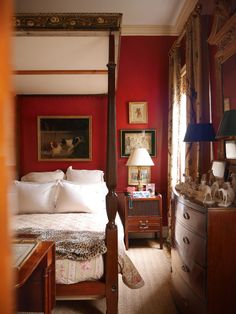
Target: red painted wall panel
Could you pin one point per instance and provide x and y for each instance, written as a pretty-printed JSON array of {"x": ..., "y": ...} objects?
[
  {"x": 32, "y": 106},
  {"x": 143, "y": 76}
]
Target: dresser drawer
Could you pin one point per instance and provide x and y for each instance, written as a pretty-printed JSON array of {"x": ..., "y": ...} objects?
[
  {"x": 190, "y": 244},
  {"x": 186, "y": 300},
  {"x": 193, "y": 274},
  {"x": 191, "y": 218},
  {"x": 143, "y": 224}
]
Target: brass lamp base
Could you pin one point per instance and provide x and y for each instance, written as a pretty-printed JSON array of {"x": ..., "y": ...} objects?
[
  {"x": 140, "y": 186},
  {"x": 139, "y": 178}
]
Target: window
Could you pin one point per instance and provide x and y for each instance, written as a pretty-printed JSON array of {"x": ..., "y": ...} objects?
[{"x": 178, "y": 132}]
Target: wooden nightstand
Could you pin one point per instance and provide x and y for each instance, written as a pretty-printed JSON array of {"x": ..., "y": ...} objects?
[{"x": 141, "y": 215}]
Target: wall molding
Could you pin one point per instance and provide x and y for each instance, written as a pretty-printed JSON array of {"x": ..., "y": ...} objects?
[
  {"x": 148, "y": 30},
  {"x": 161, "y": 30}
]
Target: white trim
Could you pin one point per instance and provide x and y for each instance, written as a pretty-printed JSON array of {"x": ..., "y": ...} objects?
[
  {"x": 161, "y": 30},
  {"x": 184, "y": 14},
  {"x": 148, "y": 30}
]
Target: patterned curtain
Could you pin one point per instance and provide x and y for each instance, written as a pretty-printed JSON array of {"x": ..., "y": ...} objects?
[
  {"x": 194, "y": 87},
  {"x": 173, "y": 115},
  {"x": 195, "y": 84}
]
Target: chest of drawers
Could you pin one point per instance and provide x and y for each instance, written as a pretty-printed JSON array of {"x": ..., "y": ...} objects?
[
  {"x": 141, "y": 215},
  {"x": 203, "y": 258}
]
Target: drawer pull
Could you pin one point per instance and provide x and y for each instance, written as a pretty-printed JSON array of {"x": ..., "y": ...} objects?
[
  {"x": 185, "y": 268},
  {"x": 143, "y": 225},
  {"x": 186, "y": 240},
  {"x": 186, "y": 215}
]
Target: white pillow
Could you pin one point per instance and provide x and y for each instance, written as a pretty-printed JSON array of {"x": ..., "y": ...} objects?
[
  {"x": 36, "y": 197},
  {"x": 84, "y": 176},
  {"x": 13, "y": 199},
  {"x": 74, "y": 197},
  {"x": 43, "y": 177}
]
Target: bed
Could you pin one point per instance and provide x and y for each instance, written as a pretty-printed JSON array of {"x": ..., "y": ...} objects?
[
  {"x": 26, "y": 24},
  {"x": 72, "y": 213}
]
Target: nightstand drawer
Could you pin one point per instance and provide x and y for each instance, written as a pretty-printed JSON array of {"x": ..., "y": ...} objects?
[
  {"x": 147, "y": 207},
  {"x": 143, "y": 224}
]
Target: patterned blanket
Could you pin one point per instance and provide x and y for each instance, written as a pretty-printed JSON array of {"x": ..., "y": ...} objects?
[{"x": 72, "y": 245}]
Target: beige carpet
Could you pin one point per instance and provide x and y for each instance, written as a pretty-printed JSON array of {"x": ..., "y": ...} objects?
[{"x": 154, "y": 298}]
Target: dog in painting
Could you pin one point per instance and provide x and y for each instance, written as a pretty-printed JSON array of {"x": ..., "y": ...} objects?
[{"x": 65, "y": 147}]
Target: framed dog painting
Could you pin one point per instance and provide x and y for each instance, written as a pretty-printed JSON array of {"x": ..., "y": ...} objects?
[{"x": 64, "y": 138}]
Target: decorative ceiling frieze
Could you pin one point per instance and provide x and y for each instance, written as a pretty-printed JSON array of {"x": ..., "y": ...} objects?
[{"x": 24, "y": 22}]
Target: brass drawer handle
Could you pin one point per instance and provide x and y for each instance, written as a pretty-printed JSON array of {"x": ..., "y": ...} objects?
[
  {"x": 185, "y": 268},
  {"x": 143, "y": 225},
  {"x": 186, "y": 215},
  {"x": 186, "y": 240}
]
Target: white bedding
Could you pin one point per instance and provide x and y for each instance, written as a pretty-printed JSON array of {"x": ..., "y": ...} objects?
[{"x": 68, "y": 271}]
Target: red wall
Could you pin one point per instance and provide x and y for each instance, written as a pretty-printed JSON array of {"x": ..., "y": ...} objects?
[
  {"x": 143, "y": 76},
  {"x": 32, "y": 106}
]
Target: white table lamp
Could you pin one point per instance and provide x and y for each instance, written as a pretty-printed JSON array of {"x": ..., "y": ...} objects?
[{"x": 139, "y": 158}]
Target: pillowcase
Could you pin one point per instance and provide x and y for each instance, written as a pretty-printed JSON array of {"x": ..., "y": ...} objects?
[
  {"x": 43, "y": 177},
  {"x": 84, "y": 176},
  {"x": 12, "y": 199},
  {"x": 74, "y": 197},
  {"x": 36, "y": 197}
]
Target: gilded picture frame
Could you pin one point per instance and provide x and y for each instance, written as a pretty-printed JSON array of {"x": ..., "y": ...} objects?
[
  {"x": 138, "y": 112},
  {"x": 64, "y": 138}
]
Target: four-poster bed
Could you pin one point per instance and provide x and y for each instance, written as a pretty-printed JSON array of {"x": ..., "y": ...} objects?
[{"x": 31, "y": 24}]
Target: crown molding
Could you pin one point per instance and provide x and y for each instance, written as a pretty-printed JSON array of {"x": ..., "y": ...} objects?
[
  {"x": 161, "y": 30},
  {"x": 187, "y": 9},
  {"x": 148, "y": 30}
]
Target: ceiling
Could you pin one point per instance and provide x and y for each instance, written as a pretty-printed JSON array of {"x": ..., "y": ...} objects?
[
  {"x": 140, "y": 17},
  {"x": 44, "y": 55}
]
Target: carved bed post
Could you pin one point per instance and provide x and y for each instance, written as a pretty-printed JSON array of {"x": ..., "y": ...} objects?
[{"x": 111, "y": 199}]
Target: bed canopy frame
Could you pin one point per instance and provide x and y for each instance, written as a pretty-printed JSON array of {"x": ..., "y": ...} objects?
[{"x": 56, "y": 24}]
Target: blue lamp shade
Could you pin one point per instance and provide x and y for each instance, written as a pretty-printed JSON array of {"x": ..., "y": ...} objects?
[
  {"x": 227, "y": 127},
  {"x": 199, "y": 132}
]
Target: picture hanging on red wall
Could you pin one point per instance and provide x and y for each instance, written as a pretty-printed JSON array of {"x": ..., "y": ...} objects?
[
  {"x": 131, "y": 139},
  {"x": 138, "y": 112},
  {"x": 64, "y": 138}
]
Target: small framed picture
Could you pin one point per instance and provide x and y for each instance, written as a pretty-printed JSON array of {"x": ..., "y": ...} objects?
[
  {"x": 151, "y": 188},
  {"x": 138, "y": 112},
  {"x": 133, "y": 175}
]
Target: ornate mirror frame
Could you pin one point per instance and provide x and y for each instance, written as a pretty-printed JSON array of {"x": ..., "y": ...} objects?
[{"x": 223, "y": 35}]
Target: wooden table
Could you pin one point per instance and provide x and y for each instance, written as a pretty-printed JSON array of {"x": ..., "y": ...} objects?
[{"x": 35, "y": 278}]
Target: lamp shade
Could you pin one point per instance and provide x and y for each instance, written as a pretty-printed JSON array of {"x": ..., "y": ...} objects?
[
  {"x": 140, "y": 157},
  {"x": 199, "y": 132},
  {"x": 227, "y": 127}
]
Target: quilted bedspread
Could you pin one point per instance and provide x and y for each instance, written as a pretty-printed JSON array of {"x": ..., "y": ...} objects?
[{"x": 70, "y": 268}]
